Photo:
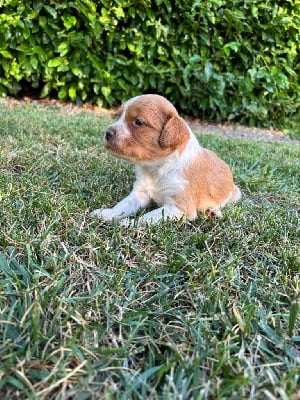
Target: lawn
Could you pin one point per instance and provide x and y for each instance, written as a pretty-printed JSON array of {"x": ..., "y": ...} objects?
[{"x": 180, "y": 310}]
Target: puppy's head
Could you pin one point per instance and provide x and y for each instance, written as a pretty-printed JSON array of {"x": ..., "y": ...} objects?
[{"x": 148, "y": 129}]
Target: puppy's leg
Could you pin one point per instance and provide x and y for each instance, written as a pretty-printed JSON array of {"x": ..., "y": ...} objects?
[
  {"x": 135, "y": 201},
  {"x": 167, "y": 211}
]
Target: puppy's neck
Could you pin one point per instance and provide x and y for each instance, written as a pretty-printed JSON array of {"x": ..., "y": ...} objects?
[{"x": 154, "y": 166}]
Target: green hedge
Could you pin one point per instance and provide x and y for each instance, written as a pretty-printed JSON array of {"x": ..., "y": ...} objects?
[{"x": 215, "y": 59}]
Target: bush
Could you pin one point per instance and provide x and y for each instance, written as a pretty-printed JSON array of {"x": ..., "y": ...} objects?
[{"x": 216, "y": 59}]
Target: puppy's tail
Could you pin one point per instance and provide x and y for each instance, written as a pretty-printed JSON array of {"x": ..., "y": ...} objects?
[{"x": 236, "y": 194}]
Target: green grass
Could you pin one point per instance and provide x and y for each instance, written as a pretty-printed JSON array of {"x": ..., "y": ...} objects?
[{"x": 89, "y": 310}]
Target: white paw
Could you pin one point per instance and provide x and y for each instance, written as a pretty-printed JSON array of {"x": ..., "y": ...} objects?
[
  {"x": 127, "y": 222},
  {"x": 149, "y": 219},
  {"x": 107, "y": 214},
  {"x": 161, "y": 214}
]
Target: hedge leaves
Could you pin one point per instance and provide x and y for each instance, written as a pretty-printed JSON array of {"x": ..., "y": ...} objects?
[{"x": 214, "y": 59}]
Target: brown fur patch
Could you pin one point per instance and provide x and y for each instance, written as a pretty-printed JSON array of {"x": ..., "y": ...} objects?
[
  {"x": 174, "y": 133},
  {"x": 210, "y": 183}
]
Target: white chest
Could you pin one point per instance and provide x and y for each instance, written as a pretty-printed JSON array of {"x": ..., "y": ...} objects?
[
  {"x": 164, "y": 179},
  {"x": 160, "y": 187}
]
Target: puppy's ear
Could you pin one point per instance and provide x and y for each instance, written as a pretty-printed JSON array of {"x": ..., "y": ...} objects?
[{"x": 174, "y": 133}]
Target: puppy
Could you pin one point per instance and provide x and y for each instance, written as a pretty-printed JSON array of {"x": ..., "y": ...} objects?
[{"x": 172, "y": 169}]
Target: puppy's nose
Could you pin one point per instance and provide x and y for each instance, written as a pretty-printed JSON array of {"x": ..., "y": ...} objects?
[{"x": 109, "y": 134}]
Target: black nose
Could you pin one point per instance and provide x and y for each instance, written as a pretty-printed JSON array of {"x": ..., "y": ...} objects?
[{"x": 109, "y": 134}]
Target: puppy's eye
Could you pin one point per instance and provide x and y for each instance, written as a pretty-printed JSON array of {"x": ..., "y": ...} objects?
[{"x": 138, "y": 122}]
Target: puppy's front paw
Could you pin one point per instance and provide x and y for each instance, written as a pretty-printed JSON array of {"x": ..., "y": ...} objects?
[
  {"x": 127, "y": 222},
  {"x": 213, "y": 213},
  {"x": 106, "y": 214}
]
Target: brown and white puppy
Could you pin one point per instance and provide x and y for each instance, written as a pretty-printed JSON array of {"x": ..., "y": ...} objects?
[{"x": 171, "y": 167}]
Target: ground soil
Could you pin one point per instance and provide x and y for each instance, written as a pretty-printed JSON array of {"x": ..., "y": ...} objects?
[{"x": 227, "y": 129}]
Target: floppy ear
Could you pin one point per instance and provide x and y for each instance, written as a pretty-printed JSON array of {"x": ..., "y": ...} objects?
[{"x": 174, "y": 133}]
